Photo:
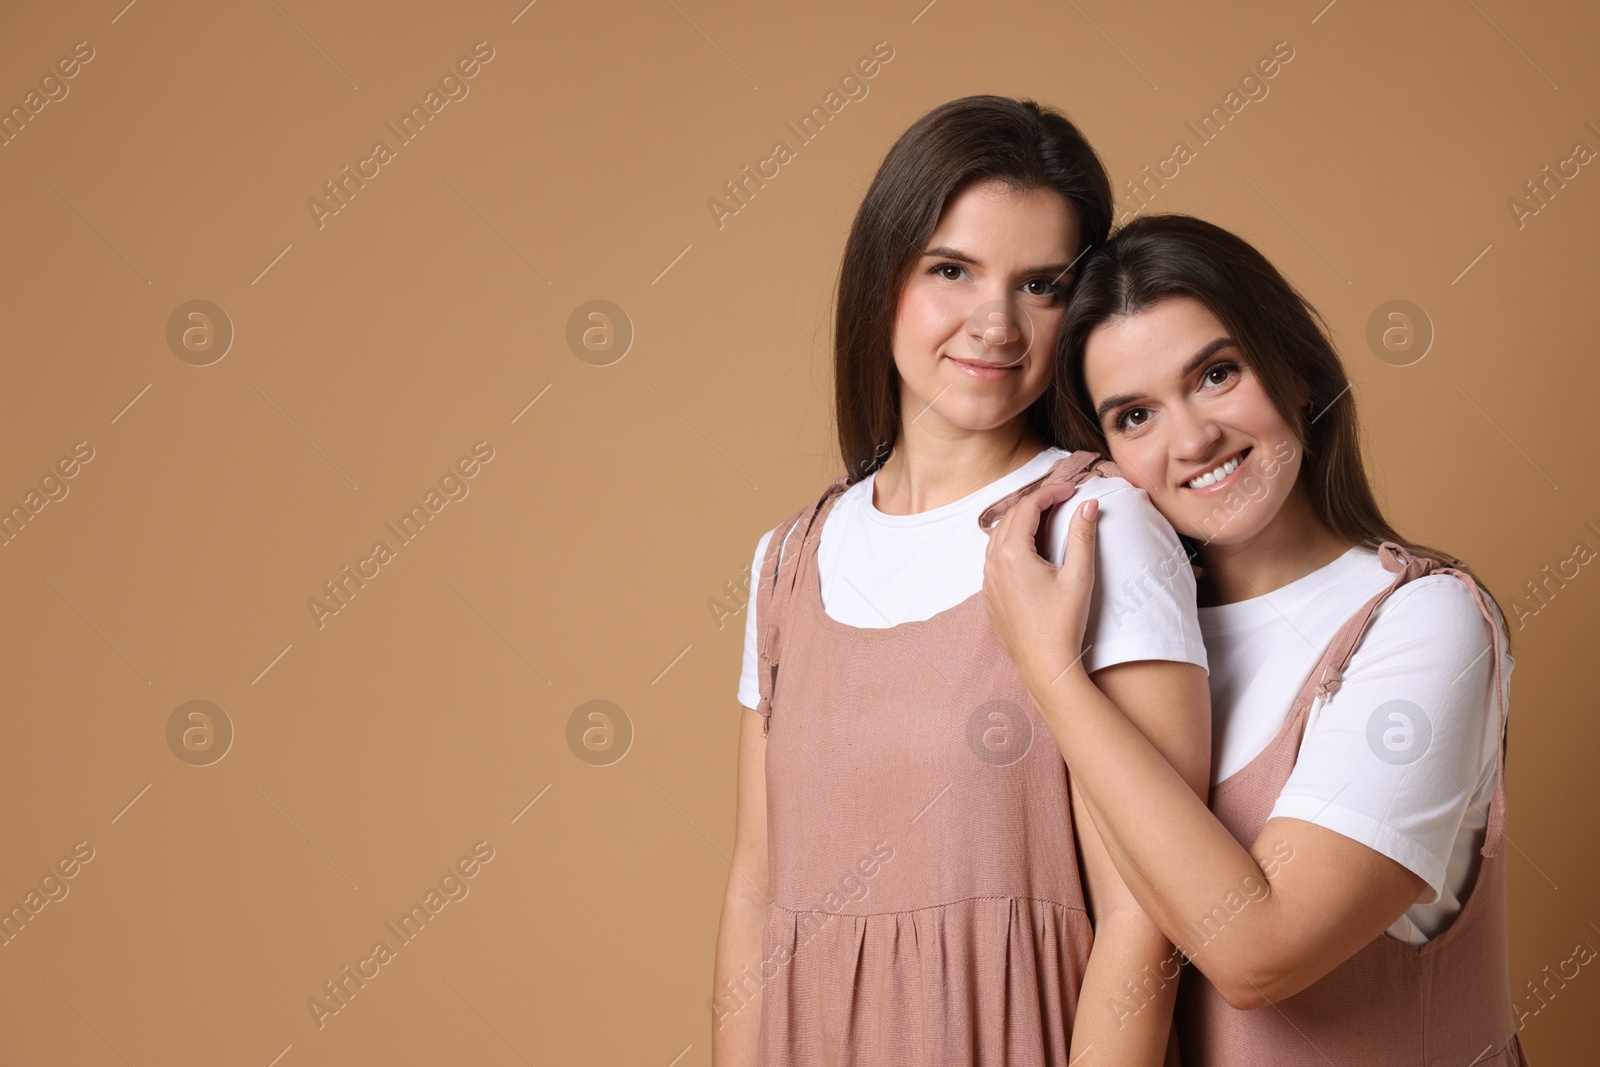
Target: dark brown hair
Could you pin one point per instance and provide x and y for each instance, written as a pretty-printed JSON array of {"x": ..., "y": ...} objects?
[
  {"x": 1282, "y": 338},
  {"x": 977, "y": 138}
]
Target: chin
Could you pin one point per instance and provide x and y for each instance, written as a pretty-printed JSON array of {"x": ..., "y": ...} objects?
[
  {"x": 1212, "y": 527},
  {"x": 976, "y": 417}
]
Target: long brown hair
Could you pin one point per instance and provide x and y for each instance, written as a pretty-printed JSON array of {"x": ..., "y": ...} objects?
[
  {"x": 1019, "y": 142},
  {"x": 1282, "y": 338}
]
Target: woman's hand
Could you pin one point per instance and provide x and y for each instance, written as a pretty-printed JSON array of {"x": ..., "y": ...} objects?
[{"x": 1038, "y": 610}]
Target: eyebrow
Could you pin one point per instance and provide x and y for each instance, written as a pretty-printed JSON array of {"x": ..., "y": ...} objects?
[
  {"x": 1189, "y": 368},
  {"x": 1055, "y": 270}
]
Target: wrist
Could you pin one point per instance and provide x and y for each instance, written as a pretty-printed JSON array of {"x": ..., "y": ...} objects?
[{"x": 1066, "y": 686}]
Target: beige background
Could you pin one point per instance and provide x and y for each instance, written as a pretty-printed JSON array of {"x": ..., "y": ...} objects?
[{"x": 371, "y": 353}]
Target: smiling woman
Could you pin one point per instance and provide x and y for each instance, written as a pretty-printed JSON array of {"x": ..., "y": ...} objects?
[
  {"x": 1358, "y": 679},
  {"x": 989, "y": 285},
  {"x": 880, "y": 706}
]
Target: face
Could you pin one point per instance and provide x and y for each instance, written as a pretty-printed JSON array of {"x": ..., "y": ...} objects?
[
  {"x": 1190, "y": 423},
  {"x": 975, "y": 329}
]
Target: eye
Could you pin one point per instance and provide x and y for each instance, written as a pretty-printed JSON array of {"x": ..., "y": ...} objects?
[
  {"x": 939, "y": 268},
  {"x": 1220, "y": 373},
  {"x": 1052, "y": 287},
  {"x": 1130, "y": 419}
]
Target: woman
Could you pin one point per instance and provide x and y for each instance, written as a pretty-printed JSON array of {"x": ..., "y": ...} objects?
[
  {"x": 909, "y": 883},
  {"x": 1344, "y": 899}
]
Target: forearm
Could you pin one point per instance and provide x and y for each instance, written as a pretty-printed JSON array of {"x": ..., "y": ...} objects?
[
  {"x": 1125, "y": 1006},
  {"x": 735, "y": 997},
  {"x": 1202, "y": 888},
  {"x": 1177, "y": 860}
]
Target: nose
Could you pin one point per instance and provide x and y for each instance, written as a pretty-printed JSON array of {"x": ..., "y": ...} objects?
[
  {"x": 999, "y": 333},
  {"x": 1194, "y": 435}
]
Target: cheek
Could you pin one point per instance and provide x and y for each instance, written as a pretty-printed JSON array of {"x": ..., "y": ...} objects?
[
  {"x": 1137, "y": 459},
  {"x": 1250, "y": 409},
  {"x": 1046, "y": 332},
  {"x": 1285, "y": 473},
  {"x": 926, "y": 316},
  {"x": 914, "y": 327},
  {"x": 1275, "y": 439}
]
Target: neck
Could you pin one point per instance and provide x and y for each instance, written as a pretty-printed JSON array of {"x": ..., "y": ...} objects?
[
  {"x": 1293, "y": 545},
  {"x": 929, "y": 469}
]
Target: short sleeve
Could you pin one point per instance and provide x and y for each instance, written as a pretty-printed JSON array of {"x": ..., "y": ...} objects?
[
  {"x": 1144, "y": 589},
  {"x": 1403, "y": 753},
  {"x": 749, "y": 680}
]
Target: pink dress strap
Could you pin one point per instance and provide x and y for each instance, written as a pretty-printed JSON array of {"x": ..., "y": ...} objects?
[
  {"x": 779, "y": 579},
  {"x": 1074, "y": 469},
  {"x": 1408, "y": 566}
]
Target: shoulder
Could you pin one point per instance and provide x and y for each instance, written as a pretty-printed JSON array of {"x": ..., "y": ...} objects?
[
  {"x": 1128, "y": 524},
  {"x": 1433, "y": 628},
  {"x": 1121, "y": 498},
  {"x": 849, "y": 495},
  {"x": 1439, "y": 609},
  {"x": 1126, "y": 513}
]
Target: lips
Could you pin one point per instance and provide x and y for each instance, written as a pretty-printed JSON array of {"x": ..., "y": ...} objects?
[
  {"x": 988, "y": 372},
  {"x": 1220, "y": 476}
]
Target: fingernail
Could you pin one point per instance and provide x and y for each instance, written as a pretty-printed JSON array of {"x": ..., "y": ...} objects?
[{"x": 1089, "y": 510}]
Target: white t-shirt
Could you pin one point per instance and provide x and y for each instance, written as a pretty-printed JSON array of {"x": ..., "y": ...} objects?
[
  {"x": 1402, "y": 758},
  {"x": 879, "y": 570}
]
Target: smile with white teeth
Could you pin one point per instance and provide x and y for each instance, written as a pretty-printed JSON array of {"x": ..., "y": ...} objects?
[{"x": 1212, "y": 477}]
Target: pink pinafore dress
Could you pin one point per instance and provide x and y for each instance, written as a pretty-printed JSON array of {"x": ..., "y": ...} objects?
[
  {"x": 926, "y": 903},
  {"x": 1443, "y": 1004}
]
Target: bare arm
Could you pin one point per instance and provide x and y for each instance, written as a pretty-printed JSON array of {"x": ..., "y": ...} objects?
[
  {"x": 1125, "y": 1005},
  {"x": 1328, "y": 895},
  {"x": 736, "y": 995}
]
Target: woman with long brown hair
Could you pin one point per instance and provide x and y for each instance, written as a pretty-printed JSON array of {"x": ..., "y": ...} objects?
[
  {"x": 1343, "y": 898},
  {"x": 911, "y": 882}
]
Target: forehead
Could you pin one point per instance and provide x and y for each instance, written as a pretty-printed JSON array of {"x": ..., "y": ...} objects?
[
  {"x": 1148, "y": 349},
  {"x": 1000, "y": 225}
]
